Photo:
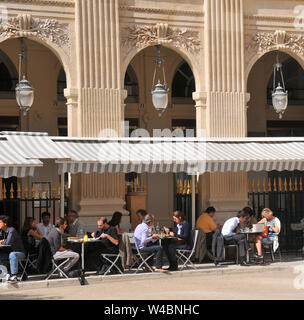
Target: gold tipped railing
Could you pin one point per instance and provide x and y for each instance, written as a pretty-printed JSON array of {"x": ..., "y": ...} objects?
[
  {"x": 37, "y": 192},
  {"x": 276, "y": 185}
]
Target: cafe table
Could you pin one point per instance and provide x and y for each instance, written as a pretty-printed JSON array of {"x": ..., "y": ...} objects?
[
  {"x": 247, "y": 233},
  {"x": 164, "y": 237},
  {"x": 83, "y": 243}
]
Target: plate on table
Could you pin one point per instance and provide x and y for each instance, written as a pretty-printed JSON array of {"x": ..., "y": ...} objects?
[{"x": 93, "y": 239}]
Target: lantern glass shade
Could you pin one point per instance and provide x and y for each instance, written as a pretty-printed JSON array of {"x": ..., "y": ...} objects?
[
  {"x": 160, "y": 98},
  {"x": 24, "y": 95},
  {"x": 280, "y": 100}
]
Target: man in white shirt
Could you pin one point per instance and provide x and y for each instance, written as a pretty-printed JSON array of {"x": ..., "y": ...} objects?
[
  {"x": 144, "y": 240},
  {"x": 45, "y": 226},
  {"x": 232, "y": 235}
]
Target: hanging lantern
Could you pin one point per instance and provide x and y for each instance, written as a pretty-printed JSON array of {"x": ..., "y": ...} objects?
[
  {"x": 159, "y": 92},
  {"x": 279, "y": 93},
  {"x": 24, "y": 91}
]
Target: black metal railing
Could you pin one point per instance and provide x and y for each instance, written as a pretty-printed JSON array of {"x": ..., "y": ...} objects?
[{"x": 285, "y": 197}]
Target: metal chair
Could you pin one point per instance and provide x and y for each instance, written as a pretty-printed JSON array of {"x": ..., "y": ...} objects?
[
  {"x": 236, "y": 251},
  {"x": 185, "y": 255},
  {"x": 268, "y": 248},
  {"x": 29, "y": 261},
  {"x": 57, "y": 266},
  {"x": 141, "y": 258},
  {"x": 113, "y": 259}
]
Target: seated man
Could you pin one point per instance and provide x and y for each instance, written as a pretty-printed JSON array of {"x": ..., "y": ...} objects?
[
  {"x": 75, "y": 227},
  {"x": 109, "y": 243},
  {"x": 45, "y": 226},
  {"x": 206, "y": 223},
  {"x": 231, "y": 234},
  {"x": 143, "y": 241},
  {"x": 55, "y": 238},
  {"x": 10, "y": 237}
]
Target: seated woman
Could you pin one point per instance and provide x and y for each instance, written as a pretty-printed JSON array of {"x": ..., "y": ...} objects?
[
  {"x": 274, "y": 227},
  {"x": 31, "y": 233},
  {"x": 182, "y": 234},
  {"x": 115, "y": 221}
]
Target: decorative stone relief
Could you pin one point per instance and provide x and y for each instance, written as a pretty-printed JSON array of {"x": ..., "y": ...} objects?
[
  {"x": 262, "y": 42},
  {"x": 161, "y": 33},
  {"x": 24, "y": 25}
]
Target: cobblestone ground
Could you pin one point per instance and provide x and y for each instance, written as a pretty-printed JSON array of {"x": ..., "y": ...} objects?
[{"x": 280, "y": 284}]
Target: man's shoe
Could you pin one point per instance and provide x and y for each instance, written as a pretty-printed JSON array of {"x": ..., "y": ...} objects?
[
  {"x": 13, "y": 278},
  {"x": 244, "y": 264},
  {"x": 74, "y": 274},
  {"x": 103, "y": 270},
  {"x": 160, "y": 270},
  {"x": 256, "y": 256}
]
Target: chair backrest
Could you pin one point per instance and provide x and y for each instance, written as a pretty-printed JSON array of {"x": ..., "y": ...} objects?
[
  {"x": 194, "y": 237},
  {"x": 278, "y": 222}
]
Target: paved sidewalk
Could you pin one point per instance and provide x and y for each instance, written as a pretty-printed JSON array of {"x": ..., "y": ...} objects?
[{"x": 35, "y": 282}]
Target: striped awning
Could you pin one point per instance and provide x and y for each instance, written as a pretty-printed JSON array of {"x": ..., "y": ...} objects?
[
  {"x": 34, "y": 145},
  {"x": 20, "y": 153},
  {"x": 12, "y": 163},
  {"x": 190, "y": 155}
]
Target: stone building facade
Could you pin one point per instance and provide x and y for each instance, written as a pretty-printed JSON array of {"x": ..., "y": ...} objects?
[{"x": 91, "y": 64}]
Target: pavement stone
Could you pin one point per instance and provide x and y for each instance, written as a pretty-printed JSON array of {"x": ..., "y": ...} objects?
[{"x": 35, "y": 282}]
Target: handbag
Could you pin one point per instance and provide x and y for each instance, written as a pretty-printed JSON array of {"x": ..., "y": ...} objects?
[{"x": 265, "y": 232}]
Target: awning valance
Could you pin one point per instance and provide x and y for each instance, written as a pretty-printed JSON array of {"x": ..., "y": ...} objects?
[
  {"x": 20, "y": 154},
  {"x": 189, "y": 155}
]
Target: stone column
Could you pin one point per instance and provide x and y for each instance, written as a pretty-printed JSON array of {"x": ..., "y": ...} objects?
[
  {"x": 100, "y": 101},
  {"x": 226, "y": 99}
]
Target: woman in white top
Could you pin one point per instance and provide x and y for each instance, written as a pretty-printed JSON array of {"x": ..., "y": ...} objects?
[{"x": 273, "y": 225}]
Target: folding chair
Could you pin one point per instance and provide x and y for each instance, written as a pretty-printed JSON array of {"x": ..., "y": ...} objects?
[
  {"x": 270, "y": 245},
  {"x": 113, "y": 259},
  {"x": 185, "y": 255},
  {"x": 236, "y": 251},
  {"x": 57, "y": 266},
  {"x": 29, "y": 261},
  {"x": 268, "y": 248},
  {"x": 141, "y": 258}
]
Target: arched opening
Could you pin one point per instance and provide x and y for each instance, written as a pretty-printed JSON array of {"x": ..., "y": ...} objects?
[
  {"x": 8, "y": 77},
  {"x": 46, "y": 75},
  {"x": 183, "y": 84},
  {"x": 262, "y": 120},
  {"x": 160, "y": 191},
  {"x": 131, "y": 85},
  {"x": 61, "y": 84}
]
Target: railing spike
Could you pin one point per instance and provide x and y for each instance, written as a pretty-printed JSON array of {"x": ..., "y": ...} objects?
[
  {"x": 4, "y": 191},
  {"x": 12, "y": 191},
  {"x": 26, "y": 191},
  {"x": 264, "y": 185},
  {"x": 290, "y": 184},
  {"x": 269, "y": 185},
  {"x": 285, "y": 185},
  {"x": 280, "y": 184},
  {"x": 18, "y": 191}
]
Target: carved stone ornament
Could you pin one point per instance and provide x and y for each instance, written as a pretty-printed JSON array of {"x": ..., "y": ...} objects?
[
  {"x": 161, "y": 33},
  {"x": 24, "y": 25},
  {"x": 262, "y": 42}
]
